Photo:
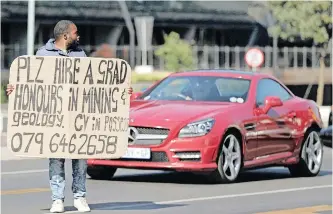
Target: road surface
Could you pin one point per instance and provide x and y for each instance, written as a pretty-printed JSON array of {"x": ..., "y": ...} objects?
[{"x": 24, "y": 189}]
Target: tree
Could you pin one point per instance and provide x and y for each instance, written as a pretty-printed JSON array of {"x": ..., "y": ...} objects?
[
  {"x": 308, "y": 20},
  {"x": 176, "y": 53}
]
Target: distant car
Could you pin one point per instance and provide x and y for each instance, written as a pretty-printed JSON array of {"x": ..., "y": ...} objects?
[
  {"x": 219, "y": 122},
  {"x": 326, "y": 136}
]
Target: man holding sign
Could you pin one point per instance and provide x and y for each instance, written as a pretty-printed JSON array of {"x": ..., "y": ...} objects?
[{"x": 65, "y": 44}]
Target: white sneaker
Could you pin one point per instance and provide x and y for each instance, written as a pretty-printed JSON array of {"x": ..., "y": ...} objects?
[
  {"x": 81, "y": 205},
  {"x": 57, "y": 207}
]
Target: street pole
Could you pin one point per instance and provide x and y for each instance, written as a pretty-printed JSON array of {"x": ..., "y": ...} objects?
[
  {"x": 31, "y": 28},
  {"x": 144, "y": 46},
  {"x": 129, "y": 25},
  {"x": 144, "y": 31}
]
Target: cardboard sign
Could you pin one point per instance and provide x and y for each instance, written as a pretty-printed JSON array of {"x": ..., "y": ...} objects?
[{"x": 64, "y": 107}]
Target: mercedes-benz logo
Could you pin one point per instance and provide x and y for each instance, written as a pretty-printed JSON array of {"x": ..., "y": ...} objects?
[{"x": 133, "y": 132}]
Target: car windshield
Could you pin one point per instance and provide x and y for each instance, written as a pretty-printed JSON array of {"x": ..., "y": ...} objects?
[{"x": 200, "y": 88}]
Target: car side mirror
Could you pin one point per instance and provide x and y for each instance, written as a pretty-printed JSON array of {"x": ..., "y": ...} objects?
[
  {"x": 136, "y": 95},
  {"x": 270, "y": 102}
]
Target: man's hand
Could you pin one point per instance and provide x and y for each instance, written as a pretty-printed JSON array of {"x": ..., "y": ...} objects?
[
  {"x": 10, "y": 89},
  {"x": 130, "y": 91}
]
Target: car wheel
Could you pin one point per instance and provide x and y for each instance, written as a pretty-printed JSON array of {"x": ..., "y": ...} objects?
[
  {"x": 229, "y": 161},
  {"x": 311, "y": 156},
  {"x": 101, "y": 172}
]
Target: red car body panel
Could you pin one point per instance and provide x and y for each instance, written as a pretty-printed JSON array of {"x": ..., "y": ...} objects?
[{"x": 266, "y": 139}]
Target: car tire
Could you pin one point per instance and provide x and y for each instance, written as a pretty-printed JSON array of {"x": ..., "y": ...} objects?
[
  {"x": 307, "y": 153},
  {"x": 101, "y": 172},
  {"x": 230, "y": 157}
]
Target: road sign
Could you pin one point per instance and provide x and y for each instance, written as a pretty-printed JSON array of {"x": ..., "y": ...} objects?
[{"x": 254, "y": 57}]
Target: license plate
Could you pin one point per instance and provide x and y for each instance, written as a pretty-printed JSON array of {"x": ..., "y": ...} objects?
[{"x": 137, "y": 153}]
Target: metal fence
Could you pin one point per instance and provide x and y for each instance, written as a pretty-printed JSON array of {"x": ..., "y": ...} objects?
[{"x": 207, "y": 57}]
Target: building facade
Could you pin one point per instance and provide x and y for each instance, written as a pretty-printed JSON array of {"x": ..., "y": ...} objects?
[
  {"x": 200, "y": 22},
  {"x": 219, "y": 31}
]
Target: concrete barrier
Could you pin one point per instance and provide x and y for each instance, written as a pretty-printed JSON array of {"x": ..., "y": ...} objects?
[
  {"x": 325, "y": 113},
  {"x": 3, "y": 125}
]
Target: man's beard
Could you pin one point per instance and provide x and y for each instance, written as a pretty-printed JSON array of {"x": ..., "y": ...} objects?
[{"x": 74, "y": 45}]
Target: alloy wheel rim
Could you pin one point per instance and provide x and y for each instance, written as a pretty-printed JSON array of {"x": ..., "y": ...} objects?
[
  {"x": 231, "y": 157},
  {"x": 312, "y": 152}
]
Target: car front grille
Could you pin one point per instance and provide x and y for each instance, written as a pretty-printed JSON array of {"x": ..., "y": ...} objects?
[
  {"x": 148, "y": 142},
  {"x": 147, "y": 135},
  {"x": 152, "y": 131}
]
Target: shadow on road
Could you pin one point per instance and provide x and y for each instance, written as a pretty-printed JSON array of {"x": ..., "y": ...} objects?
[
  {"x": 189, "y": 178},
  {"x": 138, "y": 205}
]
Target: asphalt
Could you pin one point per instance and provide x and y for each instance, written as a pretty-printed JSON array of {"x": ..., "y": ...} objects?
[{"x": 25, "y": 189}]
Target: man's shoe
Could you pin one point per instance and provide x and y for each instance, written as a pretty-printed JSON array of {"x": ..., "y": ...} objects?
[
  {"x": 81, "y": 205},
  {"x": 57, "y": 207}
]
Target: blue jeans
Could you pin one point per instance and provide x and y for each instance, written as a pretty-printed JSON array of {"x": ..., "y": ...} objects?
[{"x": 57, "y": 178}]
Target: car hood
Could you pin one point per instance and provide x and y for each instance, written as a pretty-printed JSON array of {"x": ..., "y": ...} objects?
[{"x": 168, "y": 113}]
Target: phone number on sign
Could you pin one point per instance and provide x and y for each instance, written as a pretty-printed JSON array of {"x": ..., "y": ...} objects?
[{"x": 75, "y": 144}]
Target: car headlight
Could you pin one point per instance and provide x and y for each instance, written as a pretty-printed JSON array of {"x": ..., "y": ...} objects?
[{"x": 198, "y": 128}]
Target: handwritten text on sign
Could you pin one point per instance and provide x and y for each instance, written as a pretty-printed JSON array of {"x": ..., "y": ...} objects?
[{"x": 65, "y": 107}]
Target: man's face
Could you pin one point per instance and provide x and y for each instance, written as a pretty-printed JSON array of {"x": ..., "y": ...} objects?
[{"x": 72, "y": 36}]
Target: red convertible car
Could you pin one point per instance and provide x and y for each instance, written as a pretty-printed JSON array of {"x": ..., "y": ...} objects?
[{"x": 219, "y": 122}]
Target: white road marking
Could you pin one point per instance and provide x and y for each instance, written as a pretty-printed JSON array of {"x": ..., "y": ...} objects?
[
  {"x": 212, "y": 198},
  {"x": 24, "y": 172}
]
